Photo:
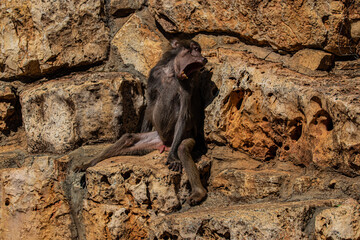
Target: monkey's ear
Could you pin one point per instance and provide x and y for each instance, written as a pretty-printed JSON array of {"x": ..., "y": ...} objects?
[{"x": 175, "y": 43}]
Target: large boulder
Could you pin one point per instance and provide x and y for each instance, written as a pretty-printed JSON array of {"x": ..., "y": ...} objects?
[
  {"x": 272, "y": 112},
  {"x": 340, "y": 222},
  {"x": 33, "y": 204},
  {"x": 38, "y": 38},
  {"x": 139, "y": 43},
  {"x": 286, "y": 26},
  {"x": 61, "y": 114}
]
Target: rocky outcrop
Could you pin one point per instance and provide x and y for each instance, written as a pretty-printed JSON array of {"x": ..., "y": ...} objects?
[
  {"x": 139, "y": 43},
  {"x": 273, "y": 113},
  {"x": 9, "y": 108},
  {"x": 42, "y": 37},
  {"x": 136, "y": 197},
  {"x": 290, "y": 27},
  {"x": 341, "y": 222},
  {"x": 260, "y": 221},
  {"x": 61, "y": 114},
  {"x": 282, "y": 120},
  {"x": 32, "y": 202}
]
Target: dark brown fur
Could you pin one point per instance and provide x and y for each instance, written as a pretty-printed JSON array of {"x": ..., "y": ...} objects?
[{"x": 176, "y": 111}]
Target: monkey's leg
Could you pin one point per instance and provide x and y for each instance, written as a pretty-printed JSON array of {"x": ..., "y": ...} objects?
[
  {"x": 198, "y": 192},
  {"x": 128, "y": 144},
  {"x": 146, "y": 125}
]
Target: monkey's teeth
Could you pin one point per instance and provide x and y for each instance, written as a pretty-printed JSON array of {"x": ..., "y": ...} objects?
[{"x": 183, "y": 75}]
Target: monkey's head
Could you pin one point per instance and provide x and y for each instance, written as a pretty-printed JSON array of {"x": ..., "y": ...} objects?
[{"x": 188, "y": 58}]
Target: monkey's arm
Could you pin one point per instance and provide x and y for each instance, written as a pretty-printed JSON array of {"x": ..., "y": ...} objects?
[{"x": 180, "y": 133}]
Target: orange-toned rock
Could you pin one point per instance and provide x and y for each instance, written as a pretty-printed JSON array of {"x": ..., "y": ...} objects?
[
  {"x": 290, "y": 26},
  {"x": 124, "y": 194},
  {"x": 311, "y": 59},
  {"x": 33, "y": 204},
  {"x": 254, "y": 221},
  {"x": 274, "y": 113},
  {"x": 340, "y": 222},
  {"x": 40, "y": 37},
  {"x": 9, "y": 115},
  {"x": 139, "y": 43}
]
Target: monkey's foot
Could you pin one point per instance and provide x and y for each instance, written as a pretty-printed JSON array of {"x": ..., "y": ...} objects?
[
  {"x": 197, "y": 196},
  {"x": 174, "y": 164}
]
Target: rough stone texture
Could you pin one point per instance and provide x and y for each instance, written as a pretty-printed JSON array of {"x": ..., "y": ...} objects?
[
  {"x": 32, "y": 203},
  {"x": 63, "y": 113},
  {"x": 289, "y": 150},
  {"x": 40, "y": 37},
  {"x": 125, "y": 193},
  {"x": 137, "y": 197},
  {"x": 247, "y": 185},
  {"x": 287, "y": 26},
  {"x": 8, "y": 103},
  {"x": 271, "y": 112},
  {"x": 311, "y": 59},
  {"x": 341, "y": 222},
  {"x": 139, "y": 43},
  {"x": 355, "y": 30},
  {"x": 122, "y": 8},
  {"x": 257, "y": 221}
]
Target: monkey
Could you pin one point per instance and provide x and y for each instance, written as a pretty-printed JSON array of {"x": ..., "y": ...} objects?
[{"x": 175, "y": 109}]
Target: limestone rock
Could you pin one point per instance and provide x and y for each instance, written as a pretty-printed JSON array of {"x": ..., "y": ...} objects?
[
  {"x": 6, "y": 93},
  {"x": 273, "y": 113},
  {"x": 247, "y": 185},
  {"x": 350, "y": 68},
  {"x": 126, "y": 193},
  {"x": 32, "y": 203},
  {"x": 122, "y": 8},
  {"x": 12, "y": 159},
  {"x": 63, "y": 113},
  {"x": 355, "y": 30},
  {"x": 288, "y": 27},
  {"x": 311, "y": 59},
  {"x": 9, "y": 118},
  {"x": 256, "y": 221},
  {"x": 139, "y": 43},
  {"x": 342, "y": 222},
  {"x": 40, "y": 37}
]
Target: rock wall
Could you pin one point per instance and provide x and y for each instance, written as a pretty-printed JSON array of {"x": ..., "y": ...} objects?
[{"x": 282, "y": 119}]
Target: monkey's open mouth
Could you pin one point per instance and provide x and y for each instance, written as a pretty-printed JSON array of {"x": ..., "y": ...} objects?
[{"x": 190, "y": 68}]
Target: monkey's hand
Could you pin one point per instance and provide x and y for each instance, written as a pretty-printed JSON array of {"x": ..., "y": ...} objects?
[{"x": 173, "y": 163}]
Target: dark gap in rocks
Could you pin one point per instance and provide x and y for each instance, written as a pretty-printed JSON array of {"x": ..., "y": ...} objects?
[
  {"x": 323, "y": 117},
  {"x": 271, "y": 153},
  {"x": 295, "y": 127},
  {"x": 168, "y": 236},
  {"x": 104, "y": 179},
  {"x": 126, "y": 175},
  {"x": 57, "y": 73},
  {"x": 120, "y": 13},
  {"x": 14, "y": 120}
]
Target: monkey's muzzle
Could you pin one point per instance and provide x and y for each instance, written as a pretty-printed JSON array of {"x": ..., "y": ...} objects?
[{"x": 191, "y": 68}]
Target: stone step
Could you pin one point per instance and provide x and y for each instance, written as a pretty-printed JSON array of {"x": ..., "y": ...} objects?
[
  {"x": 147, "y": 183},
  {"x": 127, "y": 194},
  {"x": 289, "y": 220}
]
